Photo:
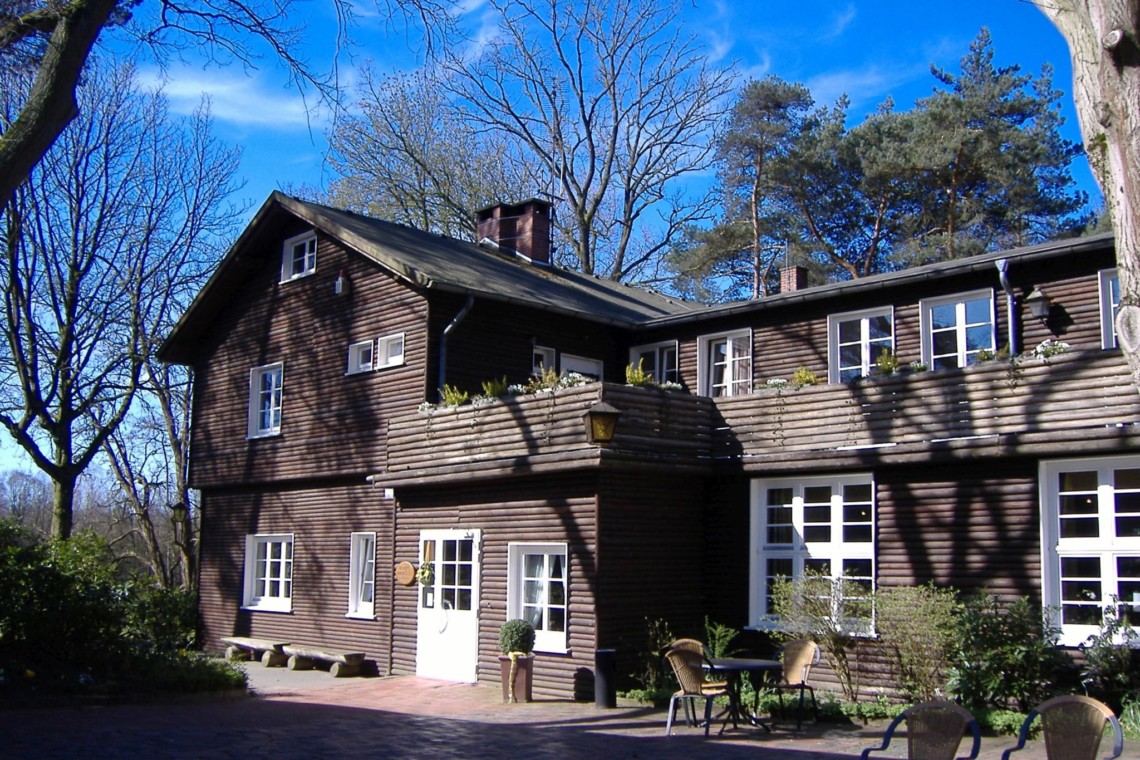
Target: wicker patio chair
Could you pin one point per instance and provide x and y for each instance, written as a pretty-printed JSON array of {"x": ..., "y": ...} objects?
[
  {"x": 693, "y": 645},
  {"x": 1073, "y": 727},
  {"x": 933, "y": 732},
  {"x": 798, "y": 657},
  {"x": 689, "y": 667}
]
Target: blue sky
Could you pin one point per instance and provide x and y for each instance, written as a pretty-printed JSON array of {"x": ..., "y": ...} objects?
[{"x": 867, "y": 50}]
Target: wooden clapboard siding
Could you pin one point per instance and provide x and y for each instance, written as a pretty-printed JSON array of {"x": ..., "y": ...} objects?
[
  {"x": 1047, "y": 404},
  {"x": 331, "y": 422},
  {"x": 444, "y": 441},
  {"x": 650, "y": 560},
  {"x": 497, "y": 339},
  {"x": 559, "y": 509},
  {"x": 967, "y": 525},
  {"x": 321, "y": 518}
]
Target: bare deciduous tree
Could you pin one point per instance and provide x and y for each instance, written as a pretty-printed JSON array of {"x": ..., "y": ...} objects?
[
  {"x": 1104, "y": 41},
  {"x": 96, "y": 243},
  {"x": 614, "y": 101},
  {"x": 409, "y": 157}
]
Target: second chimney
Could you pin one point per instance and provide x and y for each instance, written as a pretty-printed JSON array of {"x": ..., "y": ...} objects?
[
  {"x": 793, "y": 278},
  {"x": 523, "y": 228}
]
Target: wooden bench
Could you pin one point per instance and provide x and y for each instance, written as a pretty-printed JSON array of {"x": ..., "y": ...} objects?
[
  {"x": 270, "y": 652},
  {"x": 343, "y": 663}
]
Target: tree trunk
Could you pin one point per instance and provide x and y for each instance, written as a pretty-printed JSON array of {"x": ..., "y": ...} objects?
[
  {"x": 63, "y": 501},
  {"x": 1104, "y": 41},
  {"x": 51, "y": 105}
]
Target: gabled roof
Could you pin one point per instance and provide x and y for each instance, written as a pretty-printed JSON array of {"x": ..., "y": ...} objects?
[
  {"x": 423, "y": 260},
  {"x": 1020, "y": 259}
]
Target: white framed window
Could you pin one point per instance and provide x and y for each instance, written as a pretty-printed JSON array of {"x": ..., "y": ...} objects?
[
  {"x": 265, "y": 400},
  {"x": 822, "y": 525},
  {"x": 855, "y": 340},
  {"x": 658, "y": 359},
  {"x": 1090, "y": 548},
  {"x": 537, "y": 592},
  {"x": 362, "y": 575},
  {"x": 269, "y": 572},
  {"x": 542, "y": 360},
  {"x": 360, "y": 357},
  {"x": 956, "y": 328},
  {"x": 390, "y": 351},
  {"x": 584, "y": 366},
  {"x": 299, "y": 256},
  {"x": 724, "y": 363},
  {"x": 1109, "y": 306}
]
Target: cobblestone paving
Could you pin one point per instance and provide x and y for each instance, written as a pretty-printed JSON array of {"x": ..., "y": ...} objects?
[{"x": 295, "y": 716}]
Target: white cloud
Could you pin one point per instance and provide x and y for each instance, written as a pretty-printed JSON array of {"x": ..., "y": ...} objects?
[
  {"x": 866, "y": 87},
  {"x": 840, "y": 22},
  {"x": 235, "y": 97}
]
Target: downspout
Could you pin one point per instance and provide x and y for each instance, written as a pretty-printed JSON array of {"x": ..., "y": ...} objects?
[
  {"x": 1010, "y": 304},
  {"x": 443, "y": 339}
]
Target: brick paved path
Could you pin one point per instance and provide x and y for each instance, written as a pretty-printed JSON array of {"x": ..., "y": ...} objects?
[{"x": 311, "y": 716}]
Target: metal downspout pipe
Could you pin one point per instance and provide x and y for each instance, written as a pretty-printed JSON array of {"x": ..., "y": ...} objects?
[
  {"x": 1010, "y": 305},
  {"x": 443, "y": 339}
]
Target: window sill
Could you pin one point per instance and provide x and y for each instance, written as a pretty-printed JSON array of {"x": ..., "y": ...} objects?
[
  {"x": 358, "y": 616},
  {"x": 400, "y": 363},
  {"x": 262, "y": 608},
  {"x": 258, "y": 436},
  {"x": 296, "y": 277}
]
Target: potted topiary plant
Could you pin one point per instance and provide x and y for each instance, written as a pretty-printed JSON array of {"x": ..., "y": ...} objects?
[{"x": 516, "y": 660}]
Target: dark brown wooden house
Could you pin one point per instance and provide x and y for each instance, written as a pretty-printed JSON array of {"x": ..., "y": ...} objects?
[{"x": 323, "y": 333}]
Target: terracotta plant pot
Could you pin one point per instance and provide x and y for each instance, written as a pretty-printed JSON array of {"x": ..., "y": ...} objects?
[{"x": 524, "y": 677}]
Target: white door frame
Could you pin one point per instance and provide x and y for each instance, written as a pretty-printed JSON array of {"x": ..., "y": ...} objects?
[{"x": 447, "y": 610}]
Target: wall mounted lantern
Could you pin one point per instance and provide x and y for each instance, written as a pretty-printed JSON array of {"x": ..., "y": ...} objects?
[
  {"x": 601, "y": 422},
  {"x": 178, "y": 520},
  {"x": 1038, "y": 304},
  {"x": 342, "y": 286}
]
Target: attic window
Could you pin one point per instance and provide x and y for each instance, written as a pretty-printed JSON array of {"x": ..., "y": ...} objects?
[{"x": 299, "y": 257}]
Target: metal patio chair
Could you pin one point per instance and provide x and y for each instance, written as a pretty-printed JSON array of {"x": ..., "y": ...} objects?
[
  {"x": 690, "y": 668},
  {"x": 798, "y": 657},
  {"x": 1073, "y": 727},
  {"x": 933, "y": 732}
]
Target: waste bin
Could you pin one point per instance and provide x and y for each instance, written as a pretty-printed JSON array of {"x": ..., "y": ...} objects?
[{"x": 605, "y": 670}]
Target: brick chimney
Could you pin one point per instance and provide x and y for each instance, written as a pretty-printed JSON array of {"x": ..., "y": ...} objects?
[
  {"x": 522, "y": 228},
  {"x": 793, "y": 278}
]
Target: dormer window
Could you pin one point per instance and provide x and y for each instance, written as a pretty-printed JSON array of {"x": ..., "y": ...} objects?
[{"x": 299, "y": 257}]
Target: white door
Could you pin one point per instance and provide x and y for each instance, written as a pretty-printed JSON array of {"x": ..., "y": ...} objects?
[{"x": 447, "y": 623}]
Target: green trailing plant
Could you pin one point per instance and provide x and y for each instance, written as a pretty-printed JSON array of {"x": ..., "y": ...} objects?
[
  {"x": 495, "y": 388},
  {"x": 803, "y": 377},
  {"x": 547, "y": 379},
  {"x": 453, "y": 396},
  {"x": 1006, "y": 656},
  {"x": 833, "y": 612},
  {"x": 984, "y": 355},
  {"x": 917, "y": 366},
  {"x": 917, "y": 626},
  {"x": 638, "y": 377},
  {"x": 425, "y": 574},
  {"x": 886, "y": 363}
]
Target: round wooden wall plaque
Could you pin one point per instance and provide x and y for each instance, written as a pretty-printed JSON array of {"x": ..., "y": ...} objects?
[{"x": 406, "y": 573}]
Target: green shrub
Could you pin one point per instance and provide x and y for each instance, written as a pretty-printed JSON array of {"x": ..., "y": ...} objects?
[
  {"x": 651, "y": 674},
  {"x": 637, "y": 376},
  {"x": 1007, "y": 657},
  {"x": 453, "y": 396},
  {"x": 165, "y": 620},
  {"x": 719, "y": 638},
  {"x": 804, "y": 376},
  {"x": 1112, "y": 664},
  {"x": 1130, "y": 716},
  {"x": 886, "y": 363},
  {"x": 516, "y": 636},
  {"x": 917, "y": 626},
  {"x": 1004, "y": 722},
  {"x": 833, "y": 612},
  {"x": 495, "y": 388}
]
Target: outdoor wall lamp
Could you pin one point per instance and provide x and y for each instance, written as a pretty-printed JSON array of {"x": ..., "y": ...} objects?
[
  {"x": 1038, "y": 304},
  {"x": 601, "y": 421},
  {"x": 178, "y": 521},
  {"x": 342, "y": 286}
]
